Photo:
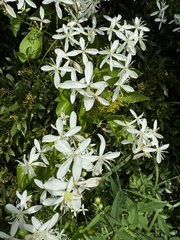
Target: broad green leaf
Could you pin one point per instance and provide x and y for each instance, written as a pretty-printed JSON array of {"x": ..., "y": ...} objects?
[
  {"x": 22, "y": 57},
  {"x": 134, "y": 97},
  {"x": 31, "y": 45},
  {"x": 23, "y": 180},
  {"x": 64, "y": 106},
  {"x": 133, "y": 216}
]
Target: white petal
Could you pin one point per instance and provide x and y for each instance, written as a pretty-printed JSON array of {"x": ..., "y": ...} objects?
[
  {"x": 77, "y": 168},
  {"x": 73, "y": 131},
  {"x": 33, "y": 209},
  {"x": 30, "y": 228},
  {"x": 50, "y": 138},
  {"x": 111, "y": 156},
  {"x": 103, "y": 144},
  {"x": 47, "y": 68},
  {"x": 12, "y": 208},
  {"x": 63, "y": 169},
  {"x": 36, "y": 223},
  {"x": 88, "y": 72},
  {"x": 55, "y": 185}
]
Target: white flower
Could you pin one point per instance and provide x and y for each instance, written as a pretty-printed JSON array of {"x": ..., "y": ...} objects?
[
  {"x": 110, "y": 54},
  {"x": 41, "y": 230},
  {"x": 103, "y": 159},
  {"x": 114, "y": 26},
  {"x": 159, "y": 150},
  {"x": 55, "y": 67},
  {"x": 88, "y": 8},
  {"x": 92, "y": 91},
  {"x": 13, "y": 230},
  {"x": 41, "y": 151},
  {"x": 57, "y": 5},
  {"x": 67, "y": 32},
  {"x": 122, "y": 84},
  {"x": 28, "y": 165},
  {"x": 91, "y": 32},
  {"x": 68, "y": 197},
  {"x": 21, "y": 210},
  {"x": 161, "y": 4},
  {"x": 60, "y": 129},
  {"x": 83, "y": 51},
  {"x": 41, "y": 19},
  {"x": 138, "y": 119},
  {"x": 8, "y": 8},
  {"x": 126, "y": 68},
  {"x": 21, "y": 4},
  {"x": 72, "y": 155}
]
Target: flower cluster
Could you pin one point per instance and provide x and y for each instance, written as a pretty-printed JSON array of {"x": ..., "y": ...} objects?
[
  {"x": 79, "y": 163},
  {"x": 144, "y": 139},
  {"x": 161, "y": 18}
]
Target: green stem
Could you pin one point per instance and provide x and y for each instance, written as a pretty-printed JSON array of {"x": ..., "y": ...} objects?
[
  {"x": 153, "y": 220},
  {"x": 43, "y": 59},
  {"x": 170, "y": 179},
  {"x": 157, "y": 174}
]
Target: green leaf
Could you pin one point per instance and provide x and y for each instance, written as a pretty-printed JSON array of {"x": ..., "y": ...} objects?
[
  {"x": 94, "y": 221},
  {"x": 134, "y": 97},
  {"x": 22, "y": 57},
  {"x": 39, "y": 106},
  {"x": 13, "y": 129},
  {"x": 64, "y": 107},
  {"x": 15, "y": 24},
  {"x": 123, "y": 235},
  {"x": 11, "y": 152},
  {"x": 116, "y": 206},
  {"x": 150, "y": 206},
  {"x": 133, "y": 216},
  {"x": 31, "y": 45},
  {"x": 163, "y": 225},
  {"x": 23, "y": 180}
]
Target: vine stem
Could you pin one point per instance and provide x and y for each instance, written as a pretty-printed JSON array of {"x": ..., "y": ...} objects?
[
  {"x": 157, "y": 174},
  {"x": 43, "y": 58},
  {"x": 153, "y": 220}
]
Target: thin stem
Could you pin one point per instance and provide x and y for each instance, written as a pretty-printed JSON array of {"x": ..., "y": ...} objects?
[
  {"x": 157, "y": 173},
  {"x": 153, "y": 220},
  {"x": 43, "y": 58}
]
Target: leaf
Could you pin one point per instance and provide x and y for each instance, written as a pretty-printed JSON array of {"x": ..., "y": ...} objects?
[
  {"x": 11, "y": 152},
  {"x": 163, "y": 225},
  {"x": 133, "y": 216},
  {"x": 64, "y": 107},
  {"x": 123, "y": 235},
  {"x": 23, "y": 180},
  {"x": 114, "y": 186},
  {"x": 150, "y": 206},
  {"x": 31, "y": 45},
  {"x": 13, "y": 129},
  {"x": 116, "y": 206},
  {"x": 39, "y": 106},
  {"x": 93, "y": 221},
  {"x": 15, "y": 24},
  {"x": 134, "y": 97}
]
